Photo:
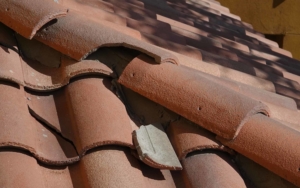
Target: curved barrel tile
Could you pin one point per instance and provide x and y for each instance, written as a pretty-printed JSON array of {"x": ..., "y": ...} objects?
[
  {"x": 42, "y": 78},
  {"x": 22, "y": 131},
  {"x": 249, "y": 91},
  {"x": 86, "y": 112},
  {"x": 36, "y": 76},
  {"x": 11, "y": 68},
  {"x": 271, "y": 144},
  {"x": 284, "y": 114},
  {"x": 89, "y": 36},
  {"x": 28, "y": 16},
  {"x": 187, "y": 137},
  {"x": 192, "y": 96},
  {"x": 107, "y": 167},
  {"x": 211, "y": 170}
]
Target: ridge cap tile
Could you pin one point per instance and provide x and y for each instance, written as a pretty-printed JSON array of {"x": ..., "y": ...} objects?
[
  {"x": 91, "y": 36},
  {"x": 192, "y": 100},
  {"x": 271, "y": 144}
]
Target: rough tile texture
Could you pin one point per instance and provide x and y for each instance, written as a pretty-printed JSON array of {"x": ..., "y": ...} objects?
[
  {"x": 82, "y": 83},
  {"x": 154, "y": 147},
  {"x": 27, "y": 17},
  {"x": 194, "y": 100}
]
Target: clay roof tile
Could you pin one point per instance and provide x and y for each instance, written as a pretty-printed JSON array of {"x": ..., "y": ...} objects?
[{"x": 87, "y": 96}]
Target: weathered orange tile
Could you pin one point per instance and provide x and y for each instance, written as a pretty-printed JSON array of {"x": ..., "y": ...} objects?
[{"x": 26, "y": 19}]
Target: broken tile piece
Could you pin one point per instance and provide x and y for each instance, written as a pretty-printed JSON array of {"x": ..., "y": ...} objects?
[{"x": 154, "y": 147}]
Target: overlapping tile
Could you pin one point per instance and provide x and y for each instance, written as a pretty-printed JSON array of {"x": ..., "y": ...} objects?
[
  {"x": 40, "y": 77},
  {"x": 90, "y": 37},
  {"x": 79, "y": 114},
  {"x": 270, "y": 144},
  {"x": 187, "y": 137},
  {"x": 252, "y": 92},
  {"x": 225, "y": 72},
  {"x": 19, "y": 129},
  {"x": 211, "y": 170},
  {"x": 107, "y": 167},
  {"x": 140, "y": 74},
  {"x": 26, "y": 19},
  {"x": 205, "y": 36},
  {"x": 11, "y": 68}
]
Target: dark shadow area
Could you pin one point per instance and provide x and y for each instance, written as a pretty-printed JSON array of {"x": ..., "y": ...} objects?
[
  {"x": 216, "y": 41},
  {"x": 116, "y": 58},
  {"x": 256, "y": 175},
  {"x": 48, "y": 24},
  {"x": 276, "y": 3},
  {"x": 52, "y": 167},
  {"x": 66, "y": 145},
  {"x": 151, "y": 173},
  {"x": 35, "y": 50},
  {"x": 276, "y": 38},
  {"x": 5, "y": 48},
  {"x": 9, "y": 83},
  {"x": 15, "y": 150}
]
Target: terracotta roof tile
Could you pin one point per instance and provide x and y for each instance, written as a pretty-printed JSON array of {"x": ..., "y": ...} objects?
[
  {"x": 252, "y": 92},
  {"x": 39, "y": 77},
  {"x": 140, "y": 71},
  {"x": 26, "y": 19},
  {"x": 53, "y": 37},
  {"x": 156, "y": 31},
  {"x": 70, "y": 112},
  {"x": 200, "y": 168},
  {"x": 10, "y": 65},
  {"x": 282, "y": 143},
  {"x": 95, "y": 10},
  {"x": 187, "y": 137},
  {"x": 44, "y": 144},
  {"x": 72, "y": 96},
  {"x": 107, "y": 167}
]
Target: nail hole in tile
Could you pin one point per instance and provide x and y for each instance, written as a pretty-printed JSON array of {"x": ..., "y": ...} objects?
[
  {"x": 199, "y": 108},
  {"x": 7, "y": 9},
  {"x": 132, "y": 74}
]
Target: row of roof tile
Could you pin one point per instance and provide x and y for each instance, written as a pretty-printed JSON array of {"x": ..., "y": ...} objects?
[{"x": 62, "y": 127}]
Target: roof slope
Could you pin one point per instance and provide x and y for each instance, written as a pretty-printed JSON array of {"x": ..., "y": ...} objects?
[{"x": 103, "y": 93}]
